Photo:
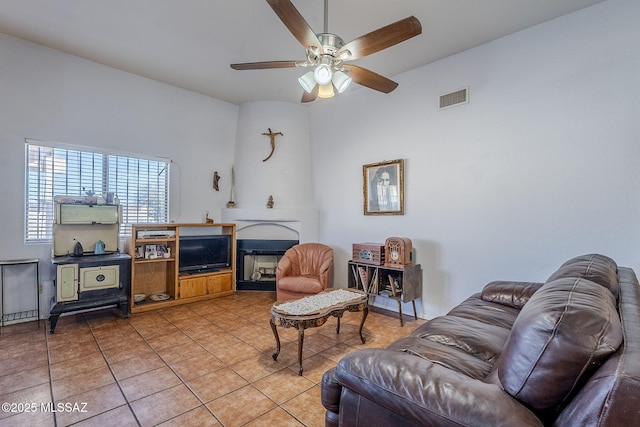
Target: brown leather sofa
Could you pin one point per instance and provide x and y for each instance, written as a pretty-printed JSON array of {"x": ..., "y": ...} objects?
[
  {"x": 303, "y": 270},
  {"x": 565, "y": 352}
]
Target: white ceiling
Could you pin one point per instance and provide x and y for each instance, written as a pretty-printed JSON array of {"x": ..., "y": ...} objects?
[{"x": 190, "y": 43}]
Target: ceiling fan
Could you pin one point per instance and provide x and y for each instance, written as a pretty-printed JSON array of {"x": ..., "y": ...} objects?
[{"x": 327, "y": 53}]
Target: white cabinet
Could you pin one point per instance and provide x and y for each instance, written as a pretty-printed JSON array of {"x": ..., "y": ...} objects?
[{"x": 67, "y": 282}]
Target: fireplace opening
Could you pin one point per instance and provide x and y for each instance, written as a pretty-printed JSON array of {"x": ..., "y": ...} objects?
[{"x": 257, "y": 261}]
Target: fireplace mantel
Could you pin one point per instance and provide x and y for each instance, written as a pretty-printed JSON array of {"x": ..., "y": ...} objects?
[{"x": 302, "y": 221}]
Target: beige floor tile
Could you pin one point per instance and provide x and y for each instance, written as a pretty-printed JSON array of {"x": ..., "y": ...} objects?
[
  {"x": 197, "y": 366},
  {"x": 207, "y": 363},
  {"x": 137, "y": 365},
  {"x": 216, "y": 384},
  {"x": 85, "y": 381},
  {"x": 164, "y": 405},
  {"x": 148, "y": 383},
  {"x": 77, "y": 365},
  {"x": 275, "y": 417},
  {"x": 198, "y": 417},
  {"x": 307, "y": 408},
  {"x": 257, "y": 367},
  {"x": 283, "y": 385},
  {"x": 241, "y": 406},
  {"x": 38, "y": 395},
  {"x": 24, "y": 379},
  {"x": 90, "y": 404},
  {"x": 117, "y": 417}
]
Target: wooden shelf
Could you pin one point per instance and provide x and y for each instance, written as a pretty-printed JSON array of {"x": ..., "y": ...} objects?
[
  {"x": 151, "y": 276},
  {"x": 376, "y": 280}
]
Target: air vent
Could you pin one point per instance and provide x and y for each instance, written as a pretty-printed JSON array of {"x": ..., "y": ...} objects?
[{"x": 452, "y": 99}]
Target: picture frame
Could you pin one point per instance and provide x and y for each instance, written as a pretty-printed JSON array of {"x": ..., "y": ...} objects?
[
  {"x": 150, "y": 252},
  {"x": 139, "y": 252},
  {"x": 383, "y": 188}
]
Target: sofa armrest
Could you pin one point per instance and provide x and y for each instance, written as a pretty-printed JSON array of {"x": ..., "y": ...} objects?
[
  {"x": 427, "y": 393},
  {"x": 513, "y": 294}
]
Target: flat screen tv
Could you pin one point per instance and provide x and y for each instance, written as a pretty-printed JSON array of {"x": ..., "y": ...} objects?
[{"x": 201, "y": 254}]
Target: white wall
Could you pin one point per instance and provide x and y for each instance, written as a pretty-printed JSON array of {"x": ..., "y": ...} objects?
[
  {"x": 48, "y": 95},
  {"x": 540, "y": 166},
  {"x": 286, "y": 174}
]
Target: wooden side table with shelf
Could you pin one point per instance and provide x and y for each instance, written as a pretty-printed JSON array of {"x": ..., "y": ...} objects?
[{"x": 401, "y": 283}]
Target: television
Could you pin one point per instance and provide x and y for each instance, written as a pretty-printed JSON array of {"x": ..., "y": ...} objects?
[{"x": 201, "y": 254}]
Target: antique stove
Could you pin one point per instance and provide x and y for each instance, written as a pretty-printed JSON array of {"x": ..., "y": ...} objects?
[{"x": 90, "y": 270}]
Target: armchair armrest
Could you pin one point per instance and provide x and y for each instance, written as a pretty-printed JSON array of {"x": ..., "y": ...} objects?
[
  {"x": 427, "y": 393},
  {"x": 284, "y": 267}
]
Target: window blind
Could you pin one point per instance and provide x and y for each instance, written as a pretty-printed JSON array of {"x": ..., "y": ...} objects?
[{"x": 140, "y": 184}]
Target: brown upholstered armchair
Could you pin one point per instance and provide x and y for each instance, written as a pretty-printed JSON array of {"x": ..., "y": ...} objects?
[{"x": 305, "y": 269}]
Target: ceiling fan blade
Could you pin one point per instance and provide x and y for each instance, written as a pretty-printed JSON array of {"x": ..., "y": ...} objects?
[
  {"x": 372, "y": 80},
  {"x": 380, "y": 39},
  {"x": 264, "y": 65},
  {"x": 309, "y": 97},
  {"x": 294, "y": 21}
]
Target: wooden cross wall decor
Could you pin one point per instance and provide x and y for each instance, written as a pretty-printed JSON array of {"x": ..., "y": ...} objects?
[{"x": 272, "y": 135}]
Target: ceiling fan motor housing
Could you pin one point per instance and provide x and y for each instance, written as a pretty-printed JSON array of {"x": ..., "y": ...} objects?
[{"x": 330, "y": 43}]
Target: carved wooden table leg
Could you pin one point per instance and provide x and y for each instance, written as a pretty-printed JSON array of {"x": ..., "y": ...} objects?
[
  {"x": 275, "y": 334},
  {"x": 300, "y": 342},
  {"x": 365, "y": 312},
  {"x": 338, "y": 327}
]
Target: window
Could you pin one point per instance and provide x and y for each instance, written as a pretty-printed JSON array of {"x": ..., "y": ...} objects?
[{"x": 141, "y": 185}]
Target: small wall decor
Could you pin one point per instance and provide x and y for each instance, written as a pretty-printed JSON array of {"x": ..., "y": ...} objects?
[
  {"x": 231, "y": 203},
  {"x": 383, "y": 188},
  {"x": 272, "y": 135},
  {"x": 270, "y": 202},
  {"x": 216, "y": 178}
]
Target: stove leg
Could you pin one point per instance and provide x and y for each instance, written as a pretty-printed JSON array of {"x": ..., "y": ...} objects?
[
  {"x": 53, "y": 319},
  {"x": 124, "y": 307}
]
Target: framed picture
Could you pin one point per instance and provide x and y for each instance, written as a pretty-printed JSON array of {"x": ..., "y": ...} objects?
[
  {"x": 150, "y": 252},
  {"x": 139, "y": 252},
  {"x": 383, "y": 188}
]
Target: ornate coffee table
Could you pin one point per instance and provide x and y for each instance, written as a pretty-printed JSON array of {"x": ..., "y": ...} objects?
[{"x": 313, "y": 311}]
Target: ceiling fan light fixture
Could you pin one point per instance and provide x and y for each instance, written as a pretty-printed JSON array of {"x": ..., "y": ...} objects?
[
  {"x": 341, "y": 81},
  {"x": 323, "y": 74},
  {"x": 307, "y": 81},
  {"x": 326, "y": 91}
]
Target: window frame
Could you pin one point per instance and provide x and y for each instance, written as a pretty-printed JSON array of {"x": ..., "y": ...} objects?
[{"x": 106, "y": 166}]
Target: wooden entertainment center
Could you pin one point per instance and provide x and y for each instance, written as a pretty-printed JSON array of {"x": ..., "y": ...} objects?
[{"x": 155, "y": 267}]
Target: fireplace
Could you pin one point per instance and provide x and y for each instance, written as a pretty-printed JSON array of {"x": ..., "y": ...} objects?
[
  {"x": 263, "y": 236},
  {"x": 257, "y": 261}
]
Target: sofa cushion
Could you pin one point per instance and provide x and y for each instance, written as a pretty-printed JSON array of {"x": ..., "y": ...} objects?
[
  {"x": 513, "y": 294},
  {"x": 594, "y": 267},
  {"x": 478, "y": 339},
  {"x": 443, "y": 355},
  {"x": 476, "y": 308},
  {"x": 565, "y": 331}
]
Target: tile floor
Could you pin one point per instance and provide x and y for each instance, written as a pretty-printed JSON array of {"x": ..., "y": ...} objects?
[{"x": 206, "y": 363}]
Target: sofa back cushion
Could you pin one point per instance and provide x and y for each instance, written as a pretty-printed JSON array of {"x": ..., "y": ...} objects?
[
  {"x": 564, "y": 332},
  {"x": 594, "y": 267}
]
